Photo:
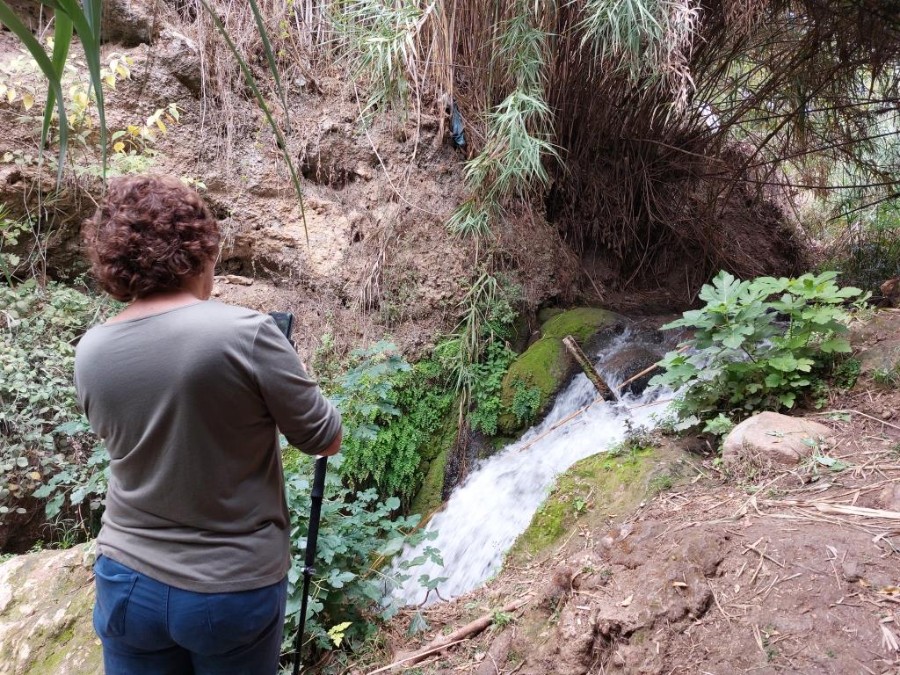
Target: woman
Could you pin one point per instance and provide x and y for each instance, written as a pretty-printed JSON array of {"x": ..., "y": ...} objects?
[{"x": 189, "y": 395}]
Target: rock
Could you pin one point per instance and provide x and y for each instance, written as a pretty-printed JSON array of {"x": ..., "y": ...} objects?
[
  {"x": 130, "y": 22},
  {"x": 877, "y": 343},
  {"x": 851, "y": 571},
  {"x": 235, "y": 279},
  {"x": 546, "y": 365},
  {"x": 581, "y": 323},
  {"x": 890, "y": 290},
  {"x": 770, "y": 438},
  {"x": 627, "y": 363},
  {"x": 46, "y": 601},
  {"x": 181, "y": 57},
  {"x": 889, "y": 498}
]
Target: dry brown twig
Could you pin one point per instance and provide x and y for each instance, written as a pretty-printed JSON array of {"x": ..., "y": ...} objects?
[{"x": 454, "y": 638}]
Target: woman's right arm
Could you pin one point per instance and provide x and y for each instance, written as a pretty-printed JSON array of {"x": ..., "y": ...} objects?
[{"x": 307, "y": 419}]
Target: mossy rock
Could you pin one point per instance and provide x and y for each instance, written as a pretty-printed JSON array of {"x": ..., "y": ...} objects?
[
  {"x": 581, "y": 323},
  {"x": 596, "y": 489},
  {"x": 546, "y": 365},
  {"x": 434, "y": 463},
  {"x": 547, "y": 313},
  {"x": 428, "y": 498}
]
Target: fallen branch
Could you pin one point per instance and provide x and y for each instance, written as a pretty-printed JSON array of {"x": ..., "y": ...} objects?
[
  {"x": 862, "y": 414},
  {"x": 415, "y": 657},
  {"x": 565, "y": 420},
  {"x": 470, "y": 629},
  {"x": 585, "y": 363},
  {"x": 838, "y": 509}
]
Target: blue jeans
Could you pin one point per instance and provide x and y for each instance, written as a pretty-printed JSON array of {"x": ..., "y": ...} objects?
[{"x": 151, "y": 628}]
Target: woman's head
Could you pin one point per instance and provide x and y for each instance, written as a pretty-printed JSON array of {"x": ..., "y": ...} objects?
[{"x": 149, "y": 235}]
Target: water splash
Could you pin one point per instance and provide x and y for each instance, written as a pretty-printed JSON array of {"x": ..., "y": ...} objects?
[{"x": 485, "y": 515}]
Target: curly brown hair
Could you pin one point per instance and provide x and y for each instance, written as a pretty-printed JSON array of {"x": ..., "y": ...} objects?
[{"x": 149, "y": 234}]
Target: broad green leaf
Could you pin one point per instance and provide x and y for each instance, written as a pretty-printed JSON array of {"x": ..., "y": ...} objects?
[
  {"x": 785, "y": 364},
  {"x": 836, "y": 345}
]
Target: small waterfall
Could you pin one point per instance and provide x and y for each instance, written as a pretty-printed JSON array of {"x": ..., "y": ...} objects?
[{"x": 485, "y": 515}]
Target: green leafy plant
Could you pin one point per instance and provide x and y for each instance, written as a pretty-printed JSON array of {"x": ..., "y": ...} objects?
[
  {"x": 357, "y": 538},
  {"x": 391, "y": 411},
  {"x": 487, "y": 379},
  {"x": 46, "y": 448},
  {"x": 720, "y": 425},
  {"x": 886, "y": 377},
  {"x": 10, "y": 231},
  {"x": 526, "y": 402},
  {"x": 757, "y": 344},
  {"x": 846, "y": 373}
]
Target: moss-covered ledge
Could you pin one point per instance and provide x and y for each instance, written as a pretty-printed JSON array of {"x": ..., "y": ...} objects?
[
  {"x": 596, "y": 490},
  {"x": 546, "y": 365},
  {"x": 581, "y": 323}
]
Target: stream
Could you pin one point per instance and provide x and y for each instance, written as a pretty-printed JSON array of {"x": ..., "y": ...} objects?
[{"x": 485, "y": 515}]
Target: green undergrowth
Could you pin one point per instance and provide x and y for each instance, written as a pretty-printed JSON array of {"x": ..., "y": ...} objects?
[
  {"x": 597, "y": 490},
  {"x": 393, "y": 413}
]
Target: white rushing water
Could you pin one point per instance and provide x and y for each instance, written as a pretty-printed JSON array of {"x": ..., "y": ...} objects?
[{"x": 485, "y": 515}]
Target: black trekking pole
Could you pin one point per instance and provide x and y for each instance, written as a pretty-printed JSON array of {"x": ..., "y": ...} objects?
[
  {"x": 312, "y": 536},
  {"x": 285, "y": 322}
]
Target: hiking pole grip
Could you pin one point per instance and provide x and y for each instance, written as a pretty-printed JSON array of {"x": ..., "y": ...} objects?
[{"x": 312, "y": 537}]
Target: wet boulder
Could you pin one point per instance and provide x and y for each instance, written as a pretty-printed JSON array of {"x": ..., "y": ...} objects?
[{"x": 628, "y": 363}]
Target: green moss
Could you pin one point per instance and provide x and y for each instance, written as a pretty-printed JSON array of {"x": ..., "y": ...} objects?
[
  {"x": 594, "y": 488},
  {"x": 428, "y": 498},
  {"x": 545, "y": 366},
  {"x": 548, "y": 313},
  {"x": 581, "y": 323},
  {"x": 434, "y": 461}
]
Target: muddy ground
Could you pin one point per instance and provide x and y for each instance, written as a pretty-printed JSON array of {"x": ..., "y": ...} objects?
[{"x": 789, "y": 571}]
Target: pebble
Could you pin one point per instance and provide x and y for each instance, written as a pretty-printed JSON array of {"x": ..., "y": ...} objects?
[{"x": 851, "y": 571}]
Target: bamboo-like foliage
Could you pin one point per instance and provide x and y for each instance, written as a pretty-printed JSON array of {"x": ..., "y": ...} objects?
[
  {"x": 381, "y": 47},
  {"x": 69, "y": 16}
]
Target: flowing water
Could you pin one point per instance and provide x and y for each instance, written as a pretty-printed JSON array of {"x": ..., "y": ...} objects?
[{"x": 485, "y": 515}]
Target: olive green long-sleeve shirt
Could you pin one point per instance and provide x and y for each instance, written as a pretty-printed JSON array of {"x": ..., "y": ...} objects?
[{"x": 189, "y": 402}]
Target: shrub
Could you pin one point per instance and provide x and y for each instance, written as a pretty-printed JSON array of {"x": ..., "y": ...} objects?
[
  {"x": 391, "y": 412},
  {"x": 357, "y": 538},
  {"x": 757, "y": 344},
  {"x": 487, "y": 381},
  {"x": 46, "y": 448},
  {"x": 869, "y": 253}
]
